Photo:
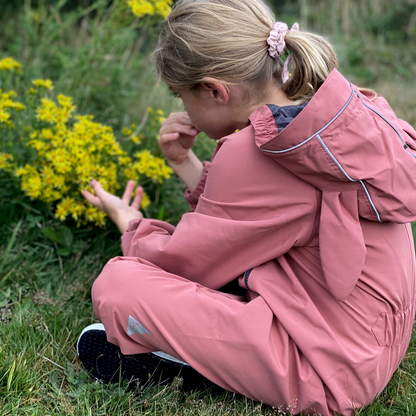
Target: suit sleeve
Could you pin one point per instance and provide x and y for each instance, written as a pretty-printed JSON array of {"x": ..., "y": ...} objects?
[
  {"x": 251, "y": 211},
  {"x": 193, "y": 197}
]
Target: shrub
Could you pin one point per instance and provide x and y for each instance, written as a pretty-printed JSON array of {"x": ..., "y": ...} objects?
[{"x": 55, "y": 152}]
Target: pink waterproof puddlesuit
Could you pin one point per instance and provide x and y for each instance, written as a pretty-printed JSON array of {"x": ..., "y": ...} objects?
[
  {"x": 295, "y": 341},
  {"x": 321, "y": 147}
]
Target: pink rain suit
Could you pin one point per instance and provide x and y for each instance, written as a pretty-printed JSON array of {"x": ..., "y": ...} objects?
[{"x": 319, "y": 240}]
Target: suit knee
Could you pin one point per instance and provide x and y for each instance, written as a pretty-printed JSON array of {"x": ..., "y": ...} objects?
[{"x": 109, "y": 289}]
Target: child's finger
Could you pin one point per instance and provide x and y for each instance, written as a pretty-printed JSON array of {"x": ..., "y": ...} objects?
[
  {"x": 187, "y": 142},
  {"x": 182, "y": 118},
  {"x": 92, "y": 199},
  {"x": 128, "y": 191},
  {"x": 137, "y": 198},
  {"x": 180, "y": 129},
  {"x": 168, "y": 137},
  {"x": 98, "y": 189}
]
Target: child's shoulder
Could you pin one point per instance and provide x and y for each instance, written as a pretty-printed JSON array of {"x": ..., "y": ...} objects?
[
  {"x": 238, "y": 158},
  {"x": 240, "y": 143}
]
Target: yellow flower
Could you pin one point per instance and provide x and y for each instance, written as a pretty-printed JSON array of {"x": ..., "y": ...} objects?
[
  {"x": 163, "y": 8},
  {"x": 76, "y": 209},
  {"x": 69, "y": 150},
  {"x": 47, "y": 111},
  {"x": 38, "y": 145},
  {"x": 46, "y": 134},
  {"x": 21, "y": 171},
  {"x": 145, "y": 201},
  {"x": 124, "y": 160},
  {"x": 93, "y": 214},
  {"x": 62, "y": 209},
  {"x": 61, "y": 115},
  {"x": 151, "y": 166},
  {"x": 18, "y": 106},
  {"x": 43, "y": 83},
  {"x": 9, "y": 64},
  {"x": 31, "y": 183},
  {"x": 137, "y": 139},
  {"x": 4, "y": 116},
  {"x": 126, "y": 131},
  {"x": 60, "y": 161},
  {"x": 7, "y": 95},
  {"x": 7, "y": 104},
  {"x": 59, "y": 181},
  {"x": 141, "y": 8},
  {"x": 6, "y": 160},
  {"x": 130, "y": 173}
]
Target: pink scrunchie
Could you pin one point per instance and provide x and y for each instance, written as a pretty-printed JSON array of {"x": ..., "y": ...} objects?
[{"x": 277, "y": 44}]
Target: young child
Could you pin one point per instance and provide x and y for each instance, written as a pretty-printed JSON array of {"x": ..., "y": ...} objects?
[{"x": 306, "y": 207}]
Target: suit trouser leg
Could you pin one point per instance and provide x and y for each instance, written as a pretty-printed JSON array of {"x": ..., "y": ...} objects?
[{"x": 238, "y": 345}]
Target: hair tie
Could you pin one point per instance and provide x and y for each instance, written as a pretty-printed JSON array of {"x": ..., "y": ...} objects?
[{"x": 277, "y": 44}]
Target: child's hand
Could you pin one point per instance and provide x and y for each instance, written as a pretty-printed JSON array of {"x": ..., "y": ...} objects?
[
  {"x": 177, "y": 136},
  {"x": 118, "y": 210}
]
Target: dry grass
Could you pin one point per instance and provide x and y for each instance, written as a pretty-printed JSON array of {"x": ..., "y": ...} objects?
[{"x": 400, "y": 96}]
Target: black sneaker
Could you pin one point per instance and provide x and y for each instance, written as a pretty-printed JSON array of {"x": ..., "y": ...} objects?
[{"x": 107, "y": 364}]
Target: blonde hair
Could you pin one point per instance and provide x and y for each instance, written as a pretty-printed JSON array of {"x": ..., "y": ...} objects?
[{"x": 227, "y": 40}]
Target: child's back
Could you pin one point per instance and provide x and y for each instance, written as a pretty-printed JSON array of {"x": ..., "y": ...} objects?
[{"x": 329, "y": 299}]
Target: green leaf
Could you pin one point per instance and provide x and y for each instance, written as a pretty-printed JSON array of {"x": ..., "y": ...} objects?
[
  {"x": 24, "y": 306},
  {"x": 53, "y": 235},
  {"x": 64, "y": 251},
  {"x": 9, "y": 245},
  {"x": 161, "y": 213},
  {"x": 67, "y": 236},
  {"x": 62, "y": 236}
]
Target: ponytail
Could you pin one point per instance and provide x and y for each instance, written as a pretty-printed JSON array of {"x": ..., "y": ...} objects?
[
  {"x": 312, "y": 60},
  {"x": 228, "y": 40}
]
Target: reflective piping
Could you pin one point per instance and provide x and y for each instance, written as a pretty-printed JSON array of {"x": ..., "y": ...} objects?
[
  {"x": 168, "y": 357},
  {"x": 371, "y": 201},
  {"x": 406, "y": 146},
  {"x": 315, "y": 134},
  {"x": 349, "y": 177}
]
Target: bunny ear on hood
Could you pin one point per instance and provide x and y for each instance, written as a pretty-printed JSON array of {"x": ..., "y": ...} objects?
[
  {"x": 341, "y": 242},
  {"x": 362, "y": 158}
]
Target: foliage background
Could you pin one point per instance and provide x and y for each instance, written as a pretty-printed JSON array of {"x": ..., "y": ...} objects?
[
  {"x": 375, "y": 41},
  {"x": 95, "y": 52}
]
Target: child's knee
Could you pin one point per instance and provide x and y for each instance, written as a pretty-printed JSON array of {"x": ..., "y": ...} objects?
[{"x": 111, "y": 289}]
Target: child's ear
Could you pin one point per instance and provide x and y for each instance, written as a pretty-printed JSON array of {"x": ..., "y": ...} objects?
[{"x": 218, "y": 92}]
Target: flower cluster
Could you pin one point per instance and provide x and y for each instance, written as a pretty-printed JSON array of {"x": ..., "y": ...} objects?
[
  {"x": 151, "y": 166},
  {"x": 43, "y": 83},
  {"x": 66, "y": 151},
  {"x": 149, "y": 130},
  {"x": 6, "y": 106},
  {"x": 6, "y": 161},
  {"x": 141, "y": 8},
  {"x": 9, "y": 64},
  {"x": 40, "y": 83}
]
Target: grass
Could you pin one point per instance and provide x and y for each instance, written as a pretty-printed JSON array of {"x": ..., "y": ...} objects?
[
  {"x": 400, "y": 95},
  {"x": 102, "y": 60},
  {"x": 375, "y": 42},
  {"x": 97, "y": 54},
  {"x": 45, "y": 303}
]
